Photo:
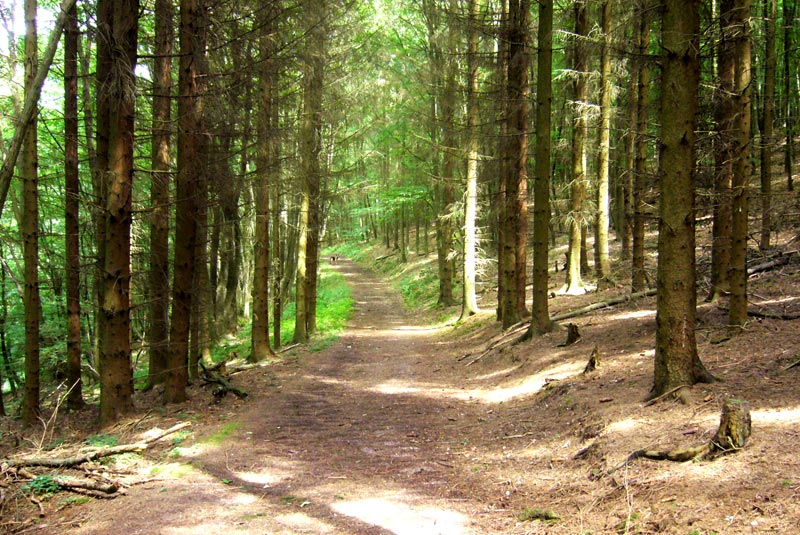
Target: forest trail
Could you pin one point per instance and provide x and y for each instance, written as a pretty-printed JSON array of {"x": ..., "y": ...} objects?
[{"x": 359, "y": 438}]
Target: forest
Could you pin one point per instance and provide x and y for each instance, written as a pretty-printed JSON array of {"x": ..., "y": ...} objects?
[{"x": 192, "y": 186}]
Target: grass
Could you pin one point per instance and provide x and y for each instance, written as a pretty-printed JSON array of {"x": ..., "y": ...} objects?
[{"x": 225, "y": 431}]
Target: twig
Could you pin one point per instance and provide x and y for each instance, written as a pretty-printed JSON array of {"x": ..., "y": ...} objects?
[{"x": 665, "y": 394}]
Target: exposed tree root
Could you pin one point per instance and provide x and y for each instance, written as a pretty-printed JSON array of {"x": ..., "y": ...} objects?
[{"x": 732, "y": 434}]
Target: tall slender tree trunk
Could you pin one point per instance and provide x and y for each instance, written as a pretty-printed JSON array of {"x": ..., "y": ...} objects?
[
  {"x": 724, "y": 113},
  {"x": 676, "y": 360},
  {"x": 502, "y": 159},
  {"x": 261, "y": 256},
  {"x": 516, "y": 172},
  {"x": 789, "y": 7},
  {"x": 311, "y": 146},
  {"x": 602, "y": 260},
  {"x": 768, "y": 113},
  {"x": 741, "y": 165},
  {"x": 158, "y": 276},
  {"x": 71, "y": 211},
  {"x": 638, "y": 278},
  {"x": 540, "y": 320},
  {"x": 29, "y": 228},
  {"x": 116, "y": 375},
  {"x": 448, "y": 178},
  {"x": 189, "y": 121},
  {"x": 469, "y": 303},
  {"x": 574, "y": 283}
]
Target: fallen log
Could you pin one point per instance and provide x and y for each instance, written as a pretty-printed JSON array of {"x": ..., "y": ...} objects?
[
  {"x": 604, "y": 304},
  {"x": 782, "y": 259}
]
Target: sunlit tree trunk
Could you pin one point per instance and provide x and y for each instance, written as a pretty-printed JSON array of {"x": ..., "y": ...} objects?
[
  {"x": 501, "y": 156},
  {"x": 676, "y": 360},
  {"x": 71, "y": 212},
  {"x": 189, "y": 121},
  {"x": 158, "y": 277},
  {"x": 311, "y": 146},
  {"x": 741, "y": 165},
  {"x": 638, "y": 279},
  {"x": 116, "y": 375},
  {"x": 767, "y": 119},
  {"x": 469, "y": 305},
  {"x": 602, "y": 260},
  {"x": 724, "y": 113},
  {"x": 29, "y": 228},
  {"x": 574, "y": 283},
  {"x": 540, "y": 320}
]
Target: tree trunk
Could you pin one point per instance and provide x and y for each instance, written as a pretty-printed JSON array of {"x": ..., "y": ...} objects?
[
  {"x": 29, "y": 228},
  {"x": 724, "y": 114},
  {"x": 574, "y": 284},
  {"x": 469, "y": 303},
  {"x": 116, "y": 375},
  {"x": 676, "y": 360},
  {"x": 767, "y": 141},
  {"x": 261, "y": 255},
  {"x": 159, "y": 194},
  {"x": 741, "y": 165},
  {"x": 189, "y": 126},
  {"x": 602, "y": 262},
  {"x": 638, "y": 279},
  {"x": 540, "y": 320},
  {"x": 788, "y": 47},
  {"x": 71, "y": 212}
]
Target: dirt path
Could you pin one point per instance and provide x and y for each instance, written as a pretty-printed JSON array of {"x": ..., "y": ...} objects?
[{"x": 355, "y": 439}]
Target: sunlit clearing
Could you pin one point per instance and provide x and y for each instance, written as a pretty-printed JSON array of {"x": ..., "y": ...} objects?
[
  {"x": 404, "y": 519},
  {"x": 790, "y": 416},
  {"x": 259, "y": 478},
  {"x": 621, "y": 426},
  {"x": 304, "y": 524},
  {"x": 528, "y": 386},
  {"x": 630, "y": 315}
]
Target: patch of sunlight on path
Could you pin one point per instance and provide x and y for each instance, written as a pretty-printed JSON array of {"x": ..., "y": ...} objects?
[{"x": 402, "y": 518}]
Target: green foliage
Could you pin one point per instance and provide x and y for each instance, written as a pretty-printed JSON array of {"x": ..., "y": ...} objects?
[
  {"x": 43, "y": 485},
  {"x": 101, "y": 440}
]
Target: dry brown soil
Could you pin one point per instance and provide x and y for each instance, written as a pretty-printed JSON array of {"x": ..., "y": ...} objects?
[{"x": 390, "y": 431}]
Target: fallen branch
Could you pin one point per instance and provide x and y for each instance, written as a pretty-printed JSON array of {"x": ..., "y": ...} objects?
[
  {"x": 792, "y": 365},
  {"x": 225, "y": 386},
  {"x": 604, "y": 304},
  {"x": 91, "y": 455},
  {"x": 782, "y": 259}
]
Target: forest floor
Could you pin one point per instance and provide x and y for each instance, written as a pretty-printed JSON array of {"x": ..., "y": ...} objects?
[{"x": 398, "y": 428}]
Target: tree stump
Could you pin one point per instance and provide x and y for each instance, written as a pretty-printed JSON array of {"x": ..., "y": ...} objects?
[
  {"x": 734, "y": 428},
  {"x": 573, "y": 335},
  {"x": 594, "y": 360}
]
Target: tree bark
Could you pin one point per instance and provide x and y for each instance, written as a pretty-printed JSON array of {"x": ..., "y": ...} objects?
[
  {"x": 116, "y": 375},
  {"x": 189, "y": 122},
  {"x": 158, "y": 276},
  {"x": 676, "y": 359},
  {"x": 741, "y": 165},
  {"x": 540, "y": 318},
  {"x": 264, "y": 160},
  {"x": 574, "y": 283},
  {"x": 469, "y": 303},
  {"x": 724, "y": 114},
  {"x": 29, "y": 227},
  {"x": 602, "y": 260},
  {"x": 638, "y": 279},
  {"x": 767, "y": 119},
  {"x": 71, "y": 211},
  {"x": 788, "y": 46}
]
